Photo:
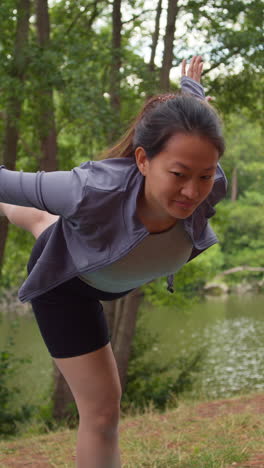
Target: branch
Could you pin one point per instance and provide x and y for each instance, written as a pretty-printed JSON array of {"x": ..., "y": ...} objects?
[
  {"x": 239, "y": 268},
  {"x": 28, "y": 149},
  {"x": 215, "y": 65},
  {"x": 80, "y": 13},
  {"x": 134, "y": 17},
  {"x": 74, "y": 21}
]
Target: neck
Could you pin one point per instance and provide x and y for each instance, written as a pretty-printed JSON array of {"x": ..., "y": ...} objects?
[{"x": 153, "y": 221}]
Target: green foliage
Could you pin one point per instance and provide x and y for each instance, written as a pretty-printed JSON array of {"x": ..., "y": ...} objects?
[
  {"x": 150, "y": 382},
  {"x": 17, "y": 254},
  {"x": 240, "y": 226},
  {"x": 244, "y": 142},
  {"x": 10, "y": 418},
  {"x": 188, "y": 282},
  {"x": 77, "y": 63}
]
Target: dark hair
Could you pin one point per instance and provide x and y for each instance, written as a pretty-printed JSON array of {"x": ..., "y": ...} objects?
[{"x": 164, "y": 116}]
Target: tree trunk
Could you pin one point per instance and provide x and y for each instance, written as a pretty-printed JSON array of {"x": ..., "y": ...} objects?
[
  {"x": 155, "y": 37},
  {"x": 168, "y": 45},
  {"x": 3, "y": 237},
  {"x": 115, "y": 80},
  {"x": 62, "y": 397},
  {"x": 234, "y": 185},
  {"x": 14, "y": 105},
  {"x": 46, "y": 124},
  {"x": 121, "y": 316}
]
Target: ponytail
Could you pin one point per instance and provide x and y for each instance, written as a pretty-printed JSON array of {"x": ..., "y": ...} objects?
[
  {"x": 124, "y": 148},
  {"x": 166, "y": 115}
]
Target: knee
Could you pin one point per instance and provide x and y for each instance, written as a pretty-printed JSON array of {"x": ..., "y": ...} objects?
[{"x": 102, "y": 419}]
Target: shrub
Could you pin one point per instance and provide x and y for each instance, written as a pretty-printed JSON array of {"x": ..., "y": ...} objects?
[
  {"x": 9, "y": 417},
  {"x": 148, "y": 381}
]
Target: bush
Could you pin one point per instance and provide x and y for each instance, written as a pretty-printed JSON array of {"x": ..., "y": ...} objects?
[
  {"x": 148, "y": 382},
  {"x": 8, "y": 416}
]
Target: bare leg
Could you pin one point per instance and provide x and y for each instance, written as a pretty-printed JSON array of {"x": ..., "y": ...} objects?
[
  {"x": 92, "y": 377},
  {"x": 94, "y": 382},
  {"x": 30, "y": 219}
]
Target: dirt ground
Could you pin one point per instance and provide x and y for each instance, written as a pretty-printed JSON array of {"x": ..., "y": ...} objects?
[
  {"x": 253, "y": 404},
  {"x": 18, "y": 454}
]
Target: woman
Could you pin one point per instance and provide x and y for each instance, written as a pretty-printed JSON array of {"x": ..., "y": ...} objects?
[{"x": 109, "y": 226}]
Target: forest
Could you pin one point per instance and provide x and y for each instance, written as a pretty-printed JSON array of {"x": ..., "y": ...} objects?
[{"x": 73, "y": 75}]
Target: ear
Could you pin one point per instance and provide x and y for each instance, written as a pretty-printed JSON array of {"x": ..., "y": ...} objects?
[{"x": 141, "y": 160}]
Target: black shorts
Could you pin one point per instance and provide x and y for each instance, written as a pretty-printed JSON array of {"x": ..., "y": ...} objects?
[{"x": 70, "y": 317}]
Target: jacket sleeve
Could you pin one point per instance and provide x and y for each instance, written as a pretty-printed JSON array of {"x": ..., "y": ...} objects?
[
  {"x": 57, "y": 192},
  {"x": 188, "y": 85}
]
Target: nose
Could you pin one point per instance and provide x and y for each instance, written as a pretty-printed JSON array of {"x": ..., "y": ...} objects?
[{"x": 191, "y": 190}]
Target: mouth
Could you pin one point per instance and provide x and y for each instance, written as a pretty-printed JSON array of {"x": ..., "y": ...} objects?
[{"x": 185, "y": 204}]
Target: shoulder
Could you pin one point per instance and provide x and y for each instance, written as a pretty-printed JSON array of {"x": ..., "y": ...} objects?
[{"x": 109, "y": 174}]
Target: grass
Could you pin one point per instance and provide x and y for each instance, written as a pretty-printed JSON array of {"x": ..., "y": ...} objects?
[{"x": 216, "y": 434}]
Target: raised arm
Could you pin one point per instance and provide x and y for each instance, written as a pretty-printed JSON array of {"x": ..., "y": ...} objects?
[{"x": 191, "y": 77}]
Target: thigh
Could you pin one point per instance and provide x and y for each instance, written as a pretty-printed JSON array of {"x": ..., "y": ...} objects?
[
  {"x": 94, "y": 381},
  {"x": 70, "y": 316},
  {"x": 69, "y": 324}
]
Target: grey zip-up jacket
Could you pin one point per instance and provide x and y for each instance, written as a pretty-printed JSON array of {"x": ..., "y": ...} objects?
[{"x": 98, "y": 223}]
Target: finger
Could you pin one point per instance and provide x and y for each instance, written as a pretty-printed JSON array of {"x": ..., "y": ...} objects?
[
  {"x": 197, "y": 63},
  {"x": 183, "y": 69},
  {"x": 190, "y": 69},
  {"x": 192, "y": 62},
  {"x": 200, "y": 69}
]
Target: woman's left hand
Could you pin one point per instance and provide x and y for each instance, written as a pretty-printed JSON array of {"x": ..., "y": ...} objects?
[
  {"x": 195, "y": 71},
  {"x": 195, "y": 68}
]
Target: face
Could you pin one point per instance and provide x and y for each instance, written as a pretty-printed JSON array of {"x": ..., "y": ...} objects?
[{"x": 177, "y": 179}]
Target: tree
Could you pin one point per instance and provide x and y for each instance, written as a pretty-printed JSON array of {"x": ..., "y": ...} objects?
[
  {"x": 91, "y": 76},
  {"x": 121, "y": 316},
  {"x": 15, "y": 90},
  {"x": 46, "y": 119},
  {"x": 168, "y": 45},
  {"x": 115, "y": 79},
  {"x": 243, "y": 160},
  {"x": 155, "y": 37},
  {"x": 228, "y": 35}
]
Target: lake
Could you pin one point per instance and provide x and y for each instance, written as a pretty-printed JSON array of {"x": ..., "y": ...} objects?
[{"x": 232, "y": 331}]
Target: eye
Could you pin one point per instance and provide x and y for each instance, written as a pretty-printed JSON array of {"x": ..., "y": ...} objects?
[
  {"x": 207, "y": 177},
  {"x": 178, "y": 174}
]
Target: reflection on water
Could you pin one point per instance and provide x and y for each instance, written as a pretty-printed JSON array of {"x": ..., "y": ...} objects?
[
  {"x": 234, "y": 361},
  {"x": 233, "y": 333}
]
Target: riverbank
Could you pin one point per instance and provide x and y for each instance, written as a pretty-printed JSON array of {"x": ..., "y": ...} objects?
[
  {"x": 217, "y": 287},
  {"x": 222, "y": 433}
]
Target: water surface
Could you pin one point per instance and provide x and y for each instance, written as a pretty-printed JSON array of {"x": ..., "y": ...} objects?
[{"x": 232, "y": 331}]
